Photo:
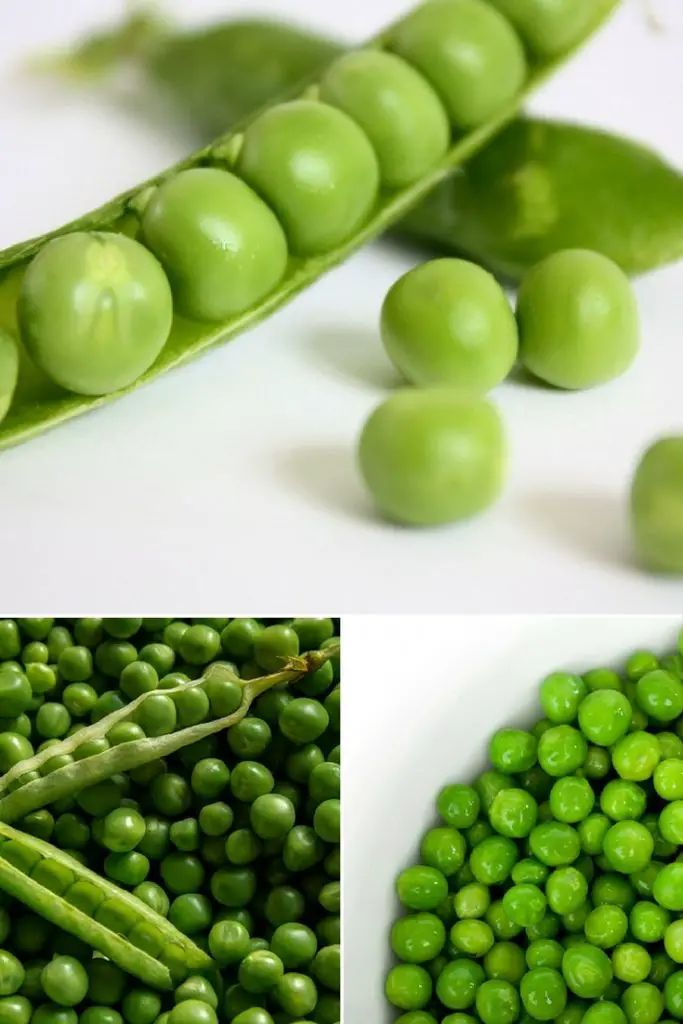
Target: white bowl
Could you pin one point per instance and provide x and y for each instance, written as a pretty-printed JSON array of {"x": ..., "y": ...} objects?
[{"x": 422, "y": 696}]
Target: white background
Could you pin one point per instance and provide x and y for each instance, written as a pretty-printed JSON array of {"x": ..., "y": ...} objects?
[
  {"x": 422, "y": 697},
  {"x": 235, "y": 476}
]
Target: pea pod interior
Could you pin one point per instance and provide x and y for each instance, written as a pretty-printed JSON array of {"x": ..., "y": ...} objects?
[{"x": 39, "y": 402}]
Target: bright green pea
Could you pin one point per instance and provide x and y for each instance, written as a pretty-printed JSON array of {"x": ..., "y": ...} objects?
[
  {"x": 433, "y": 456},
  {"x": 95, "y": 310},
  {"x": 316, "y": 168},
  {"x": 605, "y": 716},
  {"x": 631, "y": 963},
  {"x": 65, "y": 981},
  {"x": 604, "y": 1012},
  {"x": 524, "y": 904},
  {"x": 458, "y": 983},
  {"x": 396, "y": 108},
  {"x": 668, "y": 778},
  {"x": 571, "y": 799},
  {"x": 505, "y": 962},
  {"x": 578, "y": 320},
  {"x": 628, "y": 846},
  {"x": 222, "y": 247},
  {"x": 497, "y": 1002},
  {"x": 561, "y": 695},
  {"x": 660, "y": 695},
  {"x": 15, "y": 692},
  {"x": 469, "y": 53},
  {"x": 656, "y": 498},
  {"x": 449, "y": 323},
  {"x": 566, "y": 890},
  {"x": 421, "y": 888},
  {"x": 621, "y": 799},
  {"x": 673, "y": 941},
  {"x": 648, "y": 921},
  {"x": 561, "y": 750},
  {"x": 418, "y": 938},
  {"x": 493, "y": 859},
  {"x": 636, "y": 756},
  {"x": 513, "y": 813},
  {"x": 459, "y": 805},
  {"x": 606, "y": 926},
  {"x": 408, "y": 987},
  {"x": 11, "y": 973},
  {"x": 13, "y": 748},
  {"x": 444, "y": 849},
  {"x": 555, "y": 843},
  {"x": 544, "y": 993}
]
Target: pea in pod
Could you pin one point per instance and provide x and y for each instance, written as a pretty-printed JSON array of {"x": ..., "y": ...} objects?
[
  {"x": 78, "y": 775},
  {"x": 109, "y": 919},
  {"x": 537, "y": 188},
  {"x": 243, "y": 225}
]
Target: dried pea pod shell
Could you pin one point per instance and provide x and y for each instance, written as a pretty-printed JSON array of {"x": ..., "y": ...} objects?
[{"x": 543, "y": 186}]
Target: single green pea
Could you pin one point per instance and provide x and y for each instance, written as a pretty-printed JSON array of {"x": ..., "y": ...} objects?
[
  {"x": 544, "y": 953},
  {"x": 660, "y": 695},
  {"x": 421, "y": 888},
  {"x": 408, "y": 987},
  {"x": 95, "y": 310},
  {"x": 501, "y": 925},
  {"x": 587, "y": 970},
  {"x": 396, "y": 108},
  {"x": 471, "y": 901},
  {"x": 15, "y": 692},
  {"x": 449, "y": 323},
  {"x": 444, "y": 849},
  {"x": 549, "y": 29},
  {"x": 555, "y": 843},
  {"x": 561, "y": 750},
  {"x": 605, "y": 716},
  {"x": 505, "y": 962},
  {"x": 636, "y": 756},
  {"x": 512, "y": 750},
  {"x": 631, "y": 963},
  {"x": 525, "y": 904},
  {"x": 561, "y": 695},
  {"x": 11, "y": 973},
  {"x": 65, "y": 981},
  {"x": 673, "y": 994},
  {"x": 566, "y": 890},
  {"x": 493, "y": 859},
  {"x": 457, "y": 985},
  {"x": 648, "y": 921},
  {"x": 316, "y": 168},
  {"x": 497, "y": 1002},
  {"x": 571, "y": 799},
  {"x": 472, "y": 938},
  {"x": 604, "y": 1012},
  {"x": 222, "y": 247},
  {"x": 628, "y": 846},
  {"x": 621, "y": 799},
  {"x": 544, "y": 993},
  {"x": 578, "y": 320},
  {"x": 469, "y": 53},
  {"x": 13, "y": 748},
  {"x": 673, "y": 941},
  {"x": 418, "y": 938},
  {"x": 433, "y": 456},
  {"x": 606, "y": 926},
  {"x": 192, "y": 1011},
  {"x": 656, "y": 496}
]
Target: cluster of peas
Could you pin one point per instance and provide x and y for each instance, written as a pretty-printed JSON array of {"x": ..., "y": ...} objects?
[
  {"x": 235, "y": 839},
  {"x": 552, "y": 888},
  {"x": 302, "y": 179}
]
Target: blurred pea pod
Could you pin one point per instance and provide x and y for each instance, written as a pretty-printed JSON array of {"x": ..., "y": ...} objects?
[{"x": 538, "y": 187}]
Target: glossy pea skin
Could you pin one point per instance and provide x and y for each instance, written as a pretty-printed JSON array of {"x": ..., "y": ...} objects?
[
  {"x": 470, "y": 54},
  {"x": 95, "y": 310},
  {"x": 449, "y": 323},
  {"x": 433, "y": 457},
  {"x": 549, "y": 27},
  {"x": 408, "y": 987},
  {"x": 657, "y": 506},
  {"x": 317, "y": 170},
  {"x": 418, "y": 938},
  {"x": 605, "y": 716},
  {"x": 221, "y": 246},
  {"x": 9, "y": 371},
  {"x": 578, "y": 320},
  {"x": 397, "y": 109}
]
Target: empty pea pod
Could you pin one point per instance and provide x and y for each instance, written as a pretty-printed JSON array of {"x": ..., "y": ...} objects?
[
  {"x": 109, "y": 919},
  {"x": 77, "y": 775},
  {"x": 325, "y": 193}
]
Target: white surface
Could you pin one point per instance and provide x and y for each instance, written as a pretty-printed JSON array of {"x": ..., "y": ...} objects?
[
  {"x": 237, "y": 474},
  {"x": 449, "y": 684}
]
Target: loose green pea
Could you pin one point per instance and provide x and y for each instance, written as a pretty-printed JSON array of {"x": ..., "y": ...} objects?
[
  {"x": 222, "y": 247},
  {"x": 636, "y": 756},
  {"x": 95, "y": 310},
  {"x": 469, "y": 53},
  {"x": 660, "y": 695},
  {"x": 316, "y": 168},
  {"x": 396, "y": 108},
  {"x": 561, "y": 750},
  {"x": 656, "y": 500},
  {"x": 578, "y": 320},
  {"x": 544, "y": 993},
  {"x": 605, "y": 716},
  {"x": 587, "y": 970},
  {"x": 449, "y": 323},
  {"x": 434, "y": 456},
  {"x": 408, "y": 987}
]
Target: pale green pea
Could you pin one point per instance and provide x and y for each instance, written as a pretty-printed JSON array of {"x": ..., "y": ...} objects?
[
  {"x": 95, "y": 310},
  {"x": 396, "y": 108},
  {"x": 316, "y": 168},
  {"x": 657, "y": 506},
  {"x": 468, "y": 51},
  {"x": 578, "y": 320},
  {"x": 433, "y": 456},
  {"x": 448, "y": 322},
  {"x": 222, "y": 247},
  {"x": 549, "y": 27}
]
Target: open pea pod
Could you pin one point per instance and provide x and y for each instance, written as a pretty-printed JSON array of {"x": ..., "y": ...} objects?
[
  {"x": 23, "y": 789},
  {"x": 95, "y": 301},
  {"x": 107, "y": 918}
]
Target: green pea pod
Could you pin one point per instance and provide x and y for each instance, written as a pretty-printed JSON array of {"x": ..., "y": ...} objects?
[
  {"x": 71, "y": 778},
  {"x": 540, "y": 187},
  {"x": 109, "y": 919},
  {"x": 40, "y": 402}
]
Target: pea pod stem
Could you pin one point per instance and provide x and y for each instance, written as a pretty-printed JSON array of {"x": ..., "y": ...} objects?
[
  {"x": 56, "y": 908},
  {"x": 126, "y": 756},
  {"x": 46, "y": 406}
]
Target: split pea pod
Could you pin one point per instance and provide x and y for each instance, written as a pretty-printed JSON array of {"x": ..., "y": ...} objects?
[
  {"x": 86, "y": 905},
  {"x": 225, "y": 691},
  {"x": 219, "y": 242}
]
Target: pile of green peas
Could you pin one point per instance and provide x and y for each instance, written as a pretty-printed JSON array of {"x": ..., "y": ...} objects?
[
  {"x": 96, "y": 308},
  {"x": 551, "y": 888},
  {"x": 235, "y": 839},
  {"x": 437, "y": 453}
]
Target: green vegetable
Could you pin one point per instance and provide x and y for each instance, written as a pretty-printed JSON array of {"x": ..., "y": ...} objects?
[
  {"x": 9, "y": 371},
  {"x": 449, "y": 323},
  {"x": 578, "y": 320},
  {"x": 530, "y": 911},
  {"x": 657, "y": 506},
  {"x": 433, "y": 456},
  {"x": 547, "y": 26},
  {"x": 328, "y": 207},
  {"x": 537, "y": 188}
]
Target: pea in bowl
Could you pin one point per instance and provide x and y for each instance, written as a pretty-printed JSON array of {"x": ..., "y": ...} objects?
[{"x": 552, "y": 883}]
